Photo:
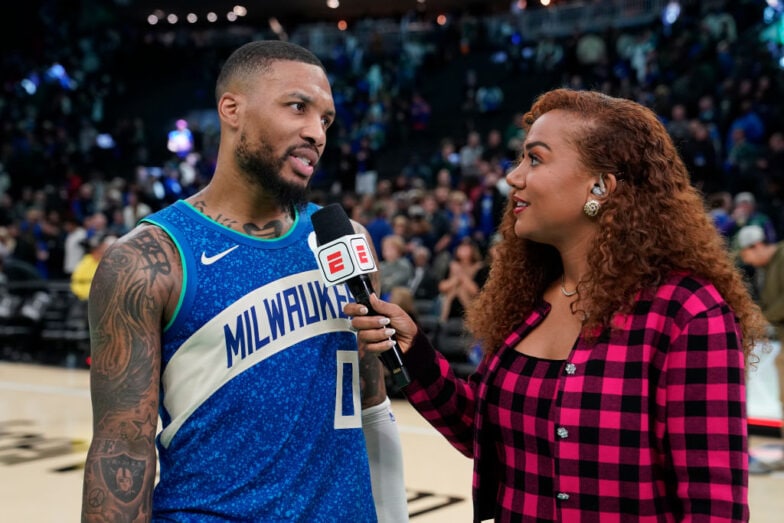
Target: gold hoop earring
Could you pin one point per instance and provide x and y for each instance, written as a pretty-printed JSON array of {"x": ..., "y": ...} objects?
[{"x": 591, "y": 208}]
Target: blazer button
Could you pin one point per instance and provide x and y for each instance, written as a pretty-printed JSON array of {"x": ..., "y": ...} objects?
[
  {"x": 562, "y": 496},
  {"x": 571, "y": 368},
  {"x": 562, "y": 432}
]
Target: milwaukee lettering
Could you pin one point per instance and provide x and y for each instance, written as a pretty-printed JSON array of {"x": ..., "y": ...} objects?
[{"x": 281, "y": 313}]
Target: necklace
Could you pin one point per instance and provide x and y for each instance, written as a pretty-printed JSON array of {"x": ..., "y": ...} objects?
[{"x": 566, "y": 293}]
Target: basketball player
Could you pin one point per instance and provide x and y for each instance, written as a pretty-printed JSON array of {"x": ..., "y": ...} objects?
[{"x": 213, "y": 313}]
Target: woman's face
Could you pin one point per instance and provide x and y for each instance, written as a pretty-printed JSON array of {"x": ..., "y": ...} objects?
[
  {"x": 464, "y": 253},
  {"x": 550, "y": 186}
]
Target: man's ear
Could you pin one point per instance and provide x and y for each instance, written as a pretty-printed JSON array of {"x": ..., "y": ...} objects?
[{"x": 229, "y": 108}]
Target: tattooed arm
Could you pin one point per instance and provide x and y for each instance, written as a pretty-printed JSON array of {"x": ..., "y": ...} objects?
[
  {"x": 130, "y": 296},
  {"x": 371, "y": 370},
  {"x": 382, "y": 437}
]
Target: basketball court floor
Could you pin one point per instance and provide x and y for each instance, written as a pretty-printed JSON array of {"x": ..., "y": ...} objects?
[{"x": 45, "y": 427}]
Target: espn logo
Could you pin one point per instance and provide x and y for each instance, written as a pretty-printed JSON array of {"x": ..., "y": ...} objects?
[{"x": 344, "y": 258}]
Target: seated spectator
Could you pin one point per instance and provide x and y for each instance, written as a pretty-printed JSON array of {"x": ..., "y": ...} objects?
[
  {"x": 73, "y": 244},
  {"x": 396, "y": 269},
  {"x": 745, "y": 212},
  {"x": 82, "y": 276},
  {"x": 467, "y": 273},
  {"x": 23, "y": 293},
  {"x": 423, "y": 282},
  {"x": 720, "y": 209}
]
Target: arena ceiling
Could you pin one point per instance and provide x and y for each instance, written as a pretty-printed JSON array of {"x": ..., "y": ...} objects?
[{"x": 311, "y": 9}]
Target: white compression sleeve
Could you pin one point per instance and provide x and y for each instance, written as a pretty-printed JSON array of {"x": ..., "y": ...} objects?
[{"x": 386, "y": 463}]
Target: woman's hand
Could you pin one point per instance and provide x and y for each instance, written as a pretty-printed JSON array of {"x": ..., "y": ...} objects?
[{"x": 374, "y": 332}]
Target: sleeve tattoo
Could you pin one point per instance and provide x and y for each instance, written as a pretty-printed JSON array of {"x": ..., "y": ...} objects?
[{"x": 125, "y": 311}]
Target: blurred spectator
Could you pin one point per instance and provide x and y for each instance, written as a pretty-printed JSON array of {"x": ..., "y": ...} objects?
[
  {"x": 487, "y": 207},
  {"x": 720, "y": 209},
  {"x": 401, "y": 226},
  {"x": 489, "y": 99},
  {"x": 83, "y": 204},
  {"x": 514, "y": 136},
  {"x": 23, "y": 293},
  {"x": 549, "y": 54},
  {"x": 423, "y": 282},
  {"x": 467, "y": 274},
  {"x": 470, "y": 154},
  {"x": 768, "y": 259},
  {"x": 32, "y": 244},
  {"x": 82, "y": 276},
  {"x": 741, "y": 164},
  {"x": 73, "y": 244},
  {"x": 420, "y": 229},
  {"x": 458, "y": 211},
  {"x": 346, "y": 169},
  {"x": 379, "y": 225},
  {"x": 420, "y": 114},
  {"x": 396, "y": 270},
  {"x": 180, "y": 139},
  {"x": 13, "y": 270},
  {"x": 403, "y": 297},
  {"x": 771, "y": 166},
  {"x": 702, "y": 160},
  {"x": 134, "y": 210},
  {"x": 494, "y": 150},
  {"x": 678, "y": 125},
  {"x": 446, "y": 159},
  {"x": 749, "y": 122},
  {"x": 417, "y": 172},
  {"x": 440, "y": 231},
  {"x": 745, "y": 213}
]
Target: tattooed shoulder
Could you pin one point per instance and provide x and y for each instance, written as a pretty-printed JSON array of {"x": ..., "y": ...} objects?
[{"x": 141, "y": 269}]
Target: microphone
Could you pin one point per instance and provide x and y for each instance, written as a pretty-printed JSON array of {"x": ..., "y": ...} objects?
[{"x": 346, "y": 257}]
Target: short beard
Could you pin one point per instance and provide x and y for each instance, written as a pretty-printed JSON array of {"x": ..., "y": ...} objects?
[{"x": 262, "y": 169}]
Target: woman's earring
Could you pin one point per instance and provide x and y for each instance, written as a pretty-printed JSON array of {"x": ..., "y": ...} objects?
[
  {"x": 597, "y": 191},
  {"x": 591, "y": 208}
]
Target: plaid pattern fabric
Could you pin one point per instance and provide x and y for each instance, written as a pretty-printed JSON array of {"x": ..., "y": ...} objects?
[
  {"x": 649, "y": 423},
  {"x": 522, "y": 394}
]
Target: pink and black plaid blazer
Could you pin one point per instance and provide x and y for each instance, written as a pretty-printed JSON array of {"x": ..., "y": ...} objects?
[{"x": 650, "y": 421}]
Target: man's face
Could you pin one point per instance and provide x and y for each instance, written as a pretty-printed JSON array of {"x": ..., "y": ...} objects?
[
  {"x": 753, "y": 255},
  {"x": 285, "y": 113}
]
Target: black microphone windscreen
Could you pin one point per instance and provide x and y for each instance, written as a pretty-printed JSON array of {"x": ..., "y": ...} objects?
[{"x": 330, "y": 223}]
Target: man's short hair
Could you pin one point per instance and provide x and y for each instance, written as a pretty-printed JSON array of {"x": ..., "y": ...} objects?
[{"x": 257, "y": 56}]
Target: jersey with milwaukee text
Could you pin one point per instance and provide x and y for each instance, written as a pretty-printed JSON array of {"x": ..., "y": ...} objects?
[{"x": 259, "y": 382}]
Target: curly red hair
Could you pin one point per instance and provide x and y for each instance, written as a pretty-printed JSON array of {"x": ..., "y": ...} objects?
[{"x": 653, "y": 223}]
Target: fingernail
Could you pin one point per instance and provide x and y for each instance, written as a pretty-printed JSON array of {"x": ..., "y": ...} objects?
[
  {"x": 383, "y": 321},
  {"x": 363, "y": 310},
  {"x": 389, "y": 332}
]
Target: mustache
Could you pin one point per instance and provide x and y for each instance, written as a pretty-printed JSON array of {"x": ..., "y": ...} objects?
[{"x": 291, "y": 151}]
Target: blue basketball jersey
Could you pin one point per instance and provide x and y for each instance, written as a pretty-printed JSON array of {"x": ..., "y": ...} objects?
[{"x": 259, "y": 383}]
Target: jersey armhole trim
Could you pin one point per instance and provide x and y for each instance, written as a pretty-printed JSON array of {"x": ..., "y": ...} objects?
[{"x": 183, "y": 264}]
